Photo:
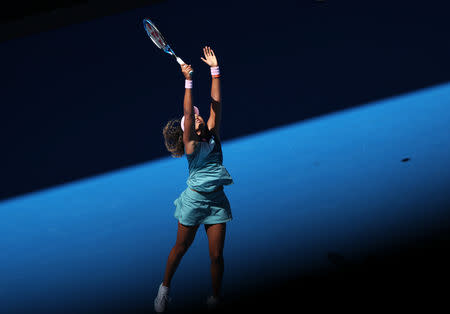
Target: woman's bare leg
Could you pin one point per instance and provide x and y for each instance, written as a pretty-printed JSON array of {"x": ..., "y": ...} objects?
[
  {"x": 185, "y": 237},
  {"x": 216, "y": 240}
]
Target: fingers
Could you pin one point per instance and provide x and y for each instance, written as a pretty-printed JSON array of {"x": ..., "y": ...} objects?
[
  {"x": 186, "y": 68},
  {"x": 208, "y": 51}
]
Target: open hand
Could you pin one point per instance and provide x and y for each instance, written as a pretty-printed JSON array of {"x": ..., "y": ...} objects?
[{"x": 210, "y": 58}]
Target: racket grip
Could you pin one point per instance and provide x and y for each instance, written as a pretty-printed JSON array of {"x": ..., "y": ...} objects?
[{"x": 182, "y": 62}]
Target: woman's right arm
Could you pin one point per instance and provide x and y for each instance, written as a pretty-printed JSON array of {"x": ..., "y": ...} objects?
[{"x": 189, "y": 124}]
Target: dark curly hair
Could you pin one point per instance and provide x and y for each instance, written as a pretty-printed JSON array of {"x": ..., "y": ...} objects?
[{"x": 173, "y": 138}]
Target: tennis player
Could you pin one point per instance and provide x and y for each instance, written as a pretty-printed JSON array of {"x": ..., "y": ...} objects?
[{"x": 204, "y": 200}]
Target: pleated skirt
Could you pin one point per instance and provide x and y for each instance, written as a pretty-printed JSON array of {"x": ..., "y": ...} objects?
[{"x": 193, "y": 208}]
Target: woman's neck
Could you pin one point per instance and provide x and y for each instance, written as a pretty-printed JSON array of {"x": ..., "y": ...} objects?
[{"x": 204, "y": 136}]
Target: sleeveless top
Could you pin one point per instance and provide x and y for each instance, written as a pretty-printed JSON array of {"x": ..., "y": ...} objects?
[{"x": 206, "y": 171}]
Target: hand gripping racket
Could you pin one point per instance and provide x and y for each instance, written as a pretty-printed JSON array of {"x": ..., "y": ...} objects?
[{"x": 157, "y": 38}]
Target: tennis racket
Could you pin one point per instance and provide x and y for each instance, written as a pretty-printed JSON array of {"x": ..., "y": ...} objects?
[{"x": 158, "y": 39}]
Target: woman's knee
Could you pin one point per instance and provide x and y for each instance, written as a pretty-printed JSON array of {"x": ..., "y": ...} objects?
[
  {"x": 181, "y": 247},
  {"x": 216, "y": 258}
]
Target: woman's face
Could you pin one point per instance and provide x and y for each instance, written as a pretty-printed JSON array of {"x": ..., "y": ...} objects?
[{"x": 199, "y": 123}]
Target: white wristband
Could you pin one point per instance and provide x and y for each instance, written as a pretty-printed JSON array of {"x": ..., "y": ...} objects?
[
  {"x": 188, "y": 84},
  {"x": 215, "y": 71}
]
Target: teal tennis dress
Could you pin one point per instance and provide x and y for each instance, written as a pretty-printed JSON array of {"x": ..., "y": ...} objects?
[{"x": 206, "y": 174}]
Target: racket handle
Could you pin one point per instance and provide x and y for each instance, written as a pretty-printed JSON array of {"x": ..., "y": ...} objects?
[{"x": 182, "y": 62}]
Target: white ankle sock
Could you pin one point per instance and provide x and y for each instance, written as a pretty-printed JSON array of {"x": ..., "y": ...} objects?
[{"x": 164, "y": 288}]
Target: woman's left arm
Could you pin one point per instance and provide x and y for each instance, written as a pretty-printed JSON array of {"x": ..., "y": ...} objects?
[{"x": 216, "y": 101}]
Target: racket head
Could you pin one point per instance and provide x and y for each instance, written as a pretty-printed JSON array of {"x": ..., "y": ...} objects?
[{"x": 156, "y": 36}]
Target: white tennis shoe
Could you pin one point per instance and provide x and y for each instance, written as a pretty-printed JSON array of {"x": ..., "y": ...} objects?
[
  {"x": 213, "y": 302},
  {"x": 162, "y": 299}
]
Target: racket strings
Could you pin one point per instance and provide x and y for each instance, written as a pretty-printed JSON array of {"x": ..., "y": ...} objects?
[{"x": 156, "y": 37}]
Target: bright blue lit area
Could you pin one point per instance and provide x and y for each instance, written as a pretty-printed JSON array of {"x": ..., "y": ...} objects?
[{"x": 331, "y": 184}]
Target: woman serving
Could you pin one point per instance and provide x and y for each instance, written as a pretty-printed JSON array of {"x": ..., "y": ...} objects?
[{"x": 204, "y": 200}]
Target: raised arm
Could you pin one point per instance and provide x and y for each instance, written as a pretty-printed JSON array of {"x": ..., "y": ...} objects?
[
  {"x": 216, "y": 100},
  {"x": 189, "y": 120}
]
